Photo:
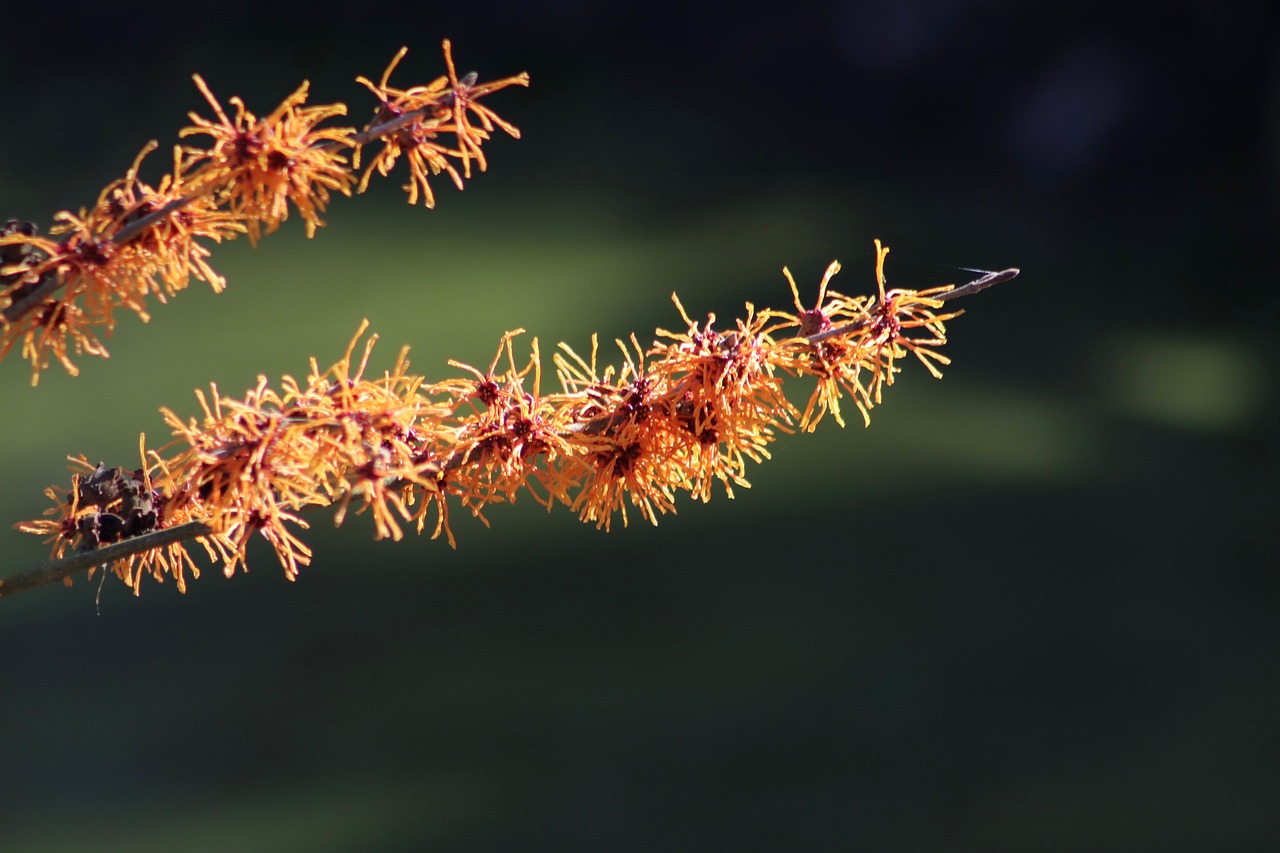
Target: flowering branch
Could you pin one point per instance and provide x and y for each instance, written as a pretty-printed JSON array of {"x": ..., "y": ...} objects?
[
  {"x": 139, "y": 241},
  {"x": 680, "y": 416}
]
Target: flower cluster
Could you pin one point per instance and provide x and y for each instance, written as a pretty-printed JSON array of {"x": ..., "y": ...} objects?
[
  {"x": 679, "y": 416},
  {"x": 141, "y": 241}
]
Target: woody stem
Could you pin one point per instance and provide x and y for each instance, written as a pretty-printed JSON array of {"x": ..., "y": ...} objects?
[{"x": 53, "y": 571}]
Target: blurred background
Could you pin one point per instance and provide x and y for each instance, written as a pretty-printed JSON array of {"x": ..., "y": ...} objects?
[{"x": 1033, "y": 607}]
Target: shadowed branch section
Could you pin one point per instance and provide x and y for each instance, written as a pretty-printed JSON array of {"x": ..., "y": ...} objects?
[
  {"x": 61, "y": 570},
  {"x": 688, "y": 412}
]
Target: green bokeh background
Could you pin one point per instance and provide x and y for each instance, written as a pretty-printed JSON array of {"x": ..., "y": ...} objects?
[{"x": 1031, "y": 608}]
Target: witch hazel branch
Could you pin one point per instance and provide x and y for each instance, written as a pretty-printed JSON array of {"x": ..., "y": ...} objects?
[
  {"x": 609, "y": 438},
  {"x": 139, "y": 243}
]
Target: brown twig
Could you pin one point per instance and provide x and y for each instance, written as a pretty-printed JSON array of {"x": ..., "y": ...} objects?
[
  {"x": 32, "y": 299},
  {"x": 54, "y": 571},
  {"x": 991, "y": 279}
]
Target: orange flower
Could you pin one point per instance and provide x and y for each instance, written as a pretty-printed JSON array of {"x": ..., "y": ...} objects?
[
  {"x": 824, "y": 345},
  {"x": 58, "y": 327},
  {"x": 512, "y": 436},
  {"x": 626, "y": 467},
  {"x": 409, "y": 123},
  {"x": 901, "y": 310},
  {"x": 721, "y": 389},
  {"x": 258, "y": 166},
  {"x": 166, "y": 247},
  {"x": 464, "y": 98}
]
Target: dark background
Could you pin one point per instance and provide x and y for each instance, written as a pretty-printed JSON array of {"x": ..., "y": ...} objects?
[{"x": 1032, "y": 608}]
